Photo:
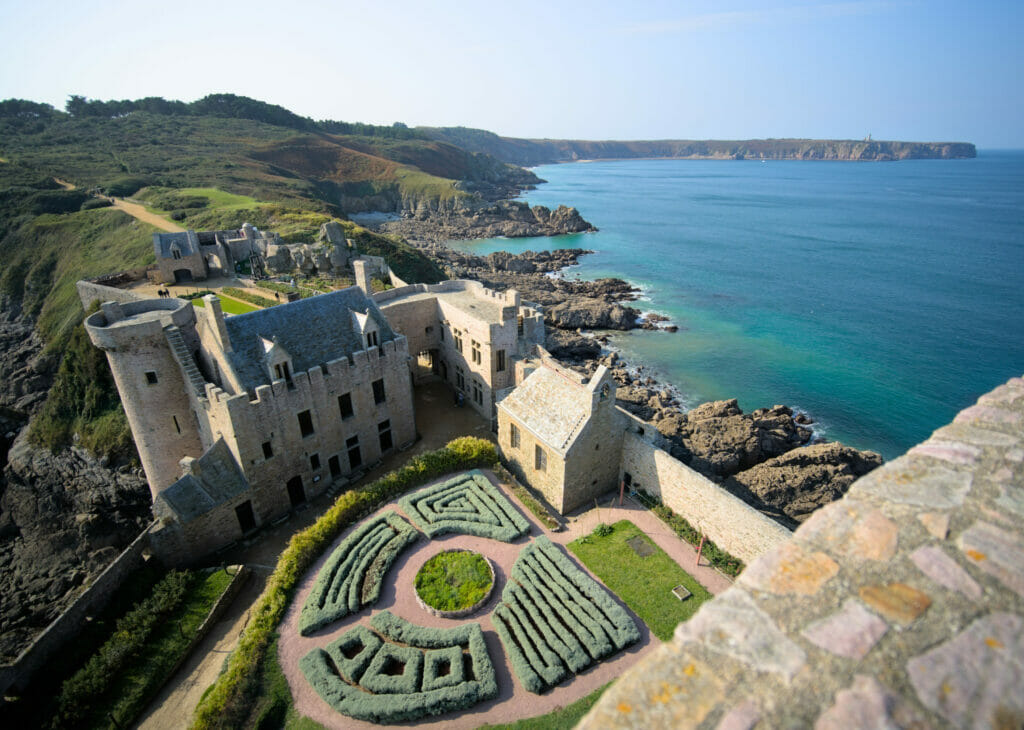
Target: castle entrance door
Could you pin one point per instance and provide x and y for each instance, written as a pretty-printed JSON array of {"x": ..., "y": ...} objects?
[
  {"x": 295, "y": 491},
  {"x": 246, "y": 519},
  {"x": 182, "y": 276}
]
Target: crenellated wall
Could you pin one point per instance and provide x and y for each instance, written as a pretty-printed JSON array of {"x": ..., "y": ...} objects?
[{"x": 901, "y": 605}]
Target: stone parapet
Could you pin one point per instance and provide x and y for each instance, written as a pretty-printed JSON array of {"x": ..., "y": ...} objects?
[{"x": 901, "y": 605}]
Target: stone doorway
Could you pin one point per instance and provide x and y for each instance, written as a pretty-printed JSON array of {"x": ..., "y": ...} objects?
[
  {"x": 182, "y": 276},
  {"x": 246, "y": 518},
  {"x": 296, "y": 493}
]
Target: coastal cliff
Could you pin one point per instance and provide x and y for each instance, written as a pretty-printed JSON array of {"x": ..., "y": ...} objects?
[{"x": 531, "y": 152}]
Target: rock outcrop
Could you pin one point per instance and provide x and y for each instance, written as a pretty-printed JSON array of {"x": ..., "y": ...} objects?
[
  {"x": 63, "y": 518},
  {"x": 460, "y": 218},
  {"x": 802, "y": 480}
]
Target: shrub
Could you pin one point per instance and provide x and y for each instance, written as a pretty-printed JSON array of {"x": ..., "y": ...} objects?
[
  {"x": 75, "y": 702},
  {"x": 227, "y": 702},
  {"x": 555, "y": 619},
  {"x": 454, "y": 580},
  {"x": 245, "y": 296},
  {"x": 124, "y": 186},
  {"x": 382, "y": 696},
  {"x": 603, "y": 530},
  {"x": 94, "y": 203},
  {"x": 468, "y": 504},
  {"x": 339, "y": 588}
]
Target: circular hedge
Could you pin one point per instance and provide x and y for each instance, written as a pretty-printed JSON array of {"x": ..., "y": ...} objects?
[{"x": 454, "y": 582}]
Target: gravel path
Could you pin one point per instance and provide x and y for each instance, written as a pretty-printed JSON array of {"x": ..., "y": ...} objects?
[{"x": 513, "y": 702}]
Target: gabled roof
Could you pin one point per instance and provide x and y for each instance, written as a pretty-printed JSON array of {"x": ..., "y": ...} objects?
[
  {"x": 551, "y": 405},
  {"x": 312, "y": 331},
  {"x": 219, "y": 480},
  {"x": 188, "y": 243}
]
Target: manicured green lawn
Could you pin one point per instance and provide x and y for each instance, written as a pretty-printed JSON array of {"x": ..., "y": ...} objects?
[
  {"x": 564, "y": 717},
  {"x": 452, "y": 581},
  {"x": 644, "y": 583},
  {"x": 229, "y": 305}
]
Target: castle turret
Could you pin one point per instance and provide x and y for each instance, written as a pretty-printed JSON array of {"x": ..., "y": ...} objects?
[{"x": 149, "y": 359}]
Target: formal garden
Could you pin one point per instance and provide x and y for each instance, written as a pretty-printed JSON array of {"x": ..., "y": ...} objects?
[{"x": 406, "y": 602}]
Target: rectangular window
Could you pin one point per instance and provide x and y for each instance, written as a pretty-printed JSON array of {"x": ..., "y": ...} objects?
[
  {"x": 314, "y": 462},
  {"x": 268, "y": 451},
  {"x": 345, "y": 405},
  {"x": 460, "y": 378},
  {"x": 540, "y": 459},
  {"x": 150, "y": 377},
  {"x": 378, "y": 391},
  {"x": 306, "y": 423},
  {"x": 500, "y": 365},
  {"x": 478, "y": 393},
  {"x": 335, "y": 466},
  {"x": 519, "y": 325},
  {"x": 371, "y": 339},
  {"x": 513, "y": 435},
  {"x": 476, "y": 351},
  {"x": 384, "y": 432},
  {"x": 354, "y": 457},
  {"x": 441, "y": 332},
  {"x": 457, "y": 335}
]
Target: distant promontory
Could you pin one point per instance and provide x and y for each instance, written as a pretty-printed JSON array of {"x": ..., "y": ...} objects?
[{"x": 530, "y": 152}]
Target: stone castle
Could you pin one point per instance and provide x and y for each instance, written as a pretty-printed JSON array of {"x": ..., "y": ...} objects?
[{"x": 240, "y": 419}]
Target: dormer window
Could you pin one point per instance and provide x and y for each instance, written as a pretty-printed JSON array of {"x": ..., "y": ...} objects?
[
  {"x": 371, "y": 339},
  {"x": 277, "y": 360},
  {"x": 175, "y": 252}
]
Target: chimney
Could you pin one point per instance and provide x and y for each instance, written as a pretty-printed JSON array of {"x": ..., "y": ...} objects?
[{"x": 362, "y": 272}]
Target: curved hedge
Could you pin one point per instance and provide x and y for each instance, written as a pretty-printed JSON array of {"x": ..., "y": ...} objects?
[
  {"x": 468, "y": 504},
  {"x": 555, "y": 620},
  {"x": 227, "y": 703},
  {"x": 405, "y": 679},
  {"x": 341, "y": 587}
]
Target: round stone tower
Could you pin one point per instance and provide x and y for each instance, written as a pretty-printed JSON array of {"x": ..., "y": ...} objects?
[{"x": 148, "y": 343}]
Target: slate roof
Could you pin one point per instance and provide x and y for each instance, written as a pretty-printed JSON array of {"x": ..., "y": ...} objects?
[
  {"x": 187, "y": 241},
  {"x": 550, "y": 405},
  {"x": 219, "y": 480},
  {"x": 313, "y": 331}
]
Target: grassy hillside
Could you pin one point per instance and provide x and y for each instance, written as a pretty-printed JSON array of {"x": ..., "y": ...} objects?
[{"x": 213, "y": 164}]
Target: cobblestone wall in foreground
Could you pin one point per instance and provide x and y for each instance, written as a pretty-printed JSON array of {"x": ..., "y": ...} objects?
[{"x": 902, "y": 605}]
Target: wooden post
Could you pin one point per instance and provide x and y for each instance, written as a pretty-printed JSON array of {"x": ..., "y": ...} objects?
[
  {"x": 700, "y": 548},
  {"x": 622, "y": 489}
]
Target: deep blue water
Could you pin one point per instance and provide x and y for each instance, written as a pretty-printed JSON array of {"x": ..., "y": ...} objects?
[{"x": 879, "y": 297}]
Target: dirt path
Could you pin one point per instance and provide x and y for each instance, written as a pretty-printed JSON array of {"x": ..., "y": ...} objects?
[
  {"x": 172, "y": 708},
  {"x": 139, "y": 211},
  {"x": 64, "y": 183}
]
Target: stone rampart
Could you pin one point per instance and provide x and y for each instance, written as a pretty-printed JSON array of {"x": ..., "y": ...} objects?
[
  {"x": 89, "y": 292},
  {"x": 900, "y": 605},
  {"x": 731, "y": 523},
  {"x": 66, "y": 627}
]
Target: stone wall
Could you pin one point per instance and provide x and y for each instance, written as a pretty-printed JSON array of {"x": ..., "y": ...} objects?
[
  {"x": 65, "y": 628},
  {"x": 272, "y": 416},
  {"x": 731, "y": 523},
  {"x": 901, "y": 605},
  {"x": 89, "y": 292},
  {"x": 521, "y": 460}
]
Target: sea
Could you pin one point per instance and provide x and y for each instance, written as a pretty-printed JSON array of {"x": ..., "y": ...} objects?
[{"x": 880, "y": 298}]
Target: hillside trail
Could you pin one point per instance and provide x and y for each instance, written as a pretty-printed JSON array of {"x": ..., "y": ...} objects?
[
  {"x": 139, "y": 211},
  {"x": 134, "y": 210}
]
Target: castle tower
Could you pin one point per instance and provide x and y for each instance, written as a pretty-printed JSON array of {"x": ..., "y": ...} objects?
[{"x": 147, "y": 347}]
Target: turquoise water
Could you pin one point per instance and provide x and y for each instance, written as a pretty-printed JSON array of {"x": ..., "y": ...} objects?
[{"x": 881, "y": 298}]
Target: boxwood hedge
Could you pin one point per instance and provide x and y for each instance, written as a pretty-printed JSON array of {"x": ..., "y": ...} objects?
[
  {"x": 384, "y": 695},
  {"x": 228, "y": 703},
  {"x": 555, "y": 619},
  {"x": 340, "y": 587},
  {"x": 467, "y": 504}
]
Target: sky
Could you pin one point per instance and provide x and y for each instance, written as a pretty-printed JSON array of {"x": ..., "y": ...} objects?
[{"x": 922, "y": 70}]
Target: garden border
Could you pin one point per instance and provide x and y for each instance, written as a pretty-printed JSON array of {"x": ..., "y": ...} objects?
[{"x": 462, "y": 612}]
